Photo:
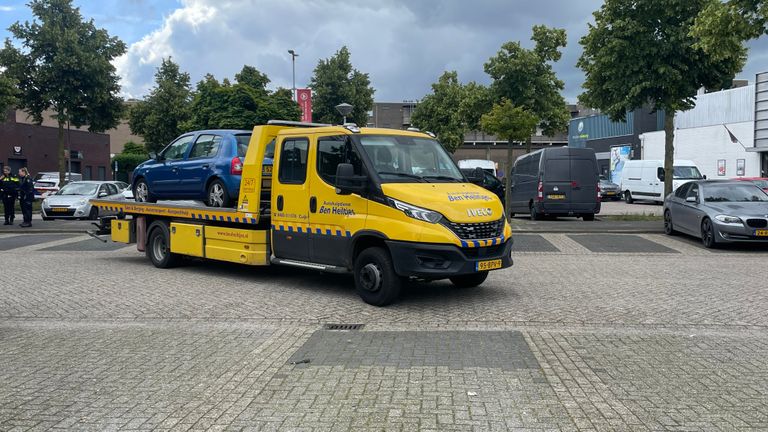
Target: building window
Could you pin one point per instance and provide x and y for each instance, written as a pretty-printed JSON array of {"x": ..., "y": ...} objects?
[
  {"x": 102, "y": 173},
  {"x": 88, "y": 173}
]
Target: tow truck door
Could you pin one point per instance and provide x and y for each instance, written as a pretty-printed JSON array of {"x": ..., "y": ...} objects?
[
  {"x": 290, "y": 199},
  {"x": 334, "y": 218}
]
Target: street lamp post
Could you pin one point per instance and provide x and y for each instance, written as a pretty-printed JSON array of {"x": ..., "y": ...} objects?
[
  {"x": 293, "y": 67},
  {"x": 344, "y": 109}
]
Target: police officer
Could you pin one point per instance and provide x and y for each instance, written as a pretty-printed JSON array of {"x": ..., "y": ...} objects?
[
  {"x": 26, "y": 196},
  {"x": 9, "y": 188}
]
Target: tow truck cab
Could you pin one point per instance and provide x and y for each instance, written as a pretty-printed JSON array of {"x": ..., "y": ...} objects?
[{"x": 338, "y": 192}]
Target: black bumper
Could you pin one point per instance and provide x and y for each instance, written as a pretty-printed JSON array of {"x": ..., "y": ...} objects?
[{"x": 434, "y": 261}]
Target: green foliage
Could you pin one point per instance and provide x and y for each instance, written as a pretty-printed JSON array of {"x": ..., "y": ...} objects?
[
  {"x": 160, "y": 117},
  {"x": 241, "y": 105},
  {"x": 126, "y": 163},
  {"x": 63, "y": 63},
  {"x": 525, "y": 77},
  {"x": 509, "y": 121},
  {"x": 452, "y": 109},
  {"x": 721, "y": 27},
  {"x": 134, "y": 148},
  {"x": 335, "y": 82},
  {"x": 8, "y": 93}
]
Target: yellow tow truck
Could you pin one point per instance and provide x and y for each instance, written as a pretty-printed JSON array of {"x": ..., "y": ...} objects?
[{"x": 385, "y": 205}]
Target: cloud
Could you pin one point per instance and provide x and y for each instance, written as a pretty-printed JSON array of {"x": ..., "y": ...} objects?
[{"x": 7, "y": 8}]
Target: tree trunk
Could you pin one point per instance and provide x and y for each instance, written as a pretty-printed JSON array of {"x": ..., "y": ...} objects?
[
  {"x": 528, "y": 145},
  {"x": 669, "y": 150},
  {"x": 508, "y": 181},
  {"x": 62, "y": 158}
]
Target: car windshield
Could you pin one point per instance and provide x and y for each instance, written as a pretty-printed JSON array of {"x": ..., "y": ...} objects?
[
  {"x": 686, "y": 172},
  {"x": 78, "y": 189},
  {"x": 761, "y": 183},
  {"x": 408, "y": 159},
  {"x": 734, "y": 193}
]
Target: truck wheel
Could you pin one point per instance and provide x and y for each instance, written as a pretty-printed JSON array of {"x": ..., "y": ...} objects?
[
  {"x": 218, "y": 195},
  {"x": 159, "y": 246},
  {"x": 588, "y": 217},
  {"x": 375, "y": 279},
  {"x": 628, "y": 197},
  {"x": 469, "y": 280}
]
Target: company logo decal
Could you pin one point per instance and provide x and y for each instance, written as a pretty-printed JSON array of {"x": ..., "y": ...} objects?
[{"x": 479, "y": 212}]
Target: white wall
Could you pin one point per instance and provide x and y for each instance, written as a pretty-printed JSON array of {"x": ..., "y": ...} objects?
[{"x": 705, "y": 146}]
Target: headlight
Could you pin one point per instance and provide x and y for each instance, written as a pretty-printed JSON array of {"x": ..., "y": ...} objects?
[
  {"x": 731, "y": 220},
  {"x": 82, "y": 201},
  {"x": 416, "y": 212}
]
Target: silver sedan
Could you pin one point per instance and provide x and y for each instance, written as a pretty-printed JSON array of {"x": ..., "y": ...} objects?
[
  {"x": 718, "y": 212},
  {"x": 73, "y": 201}
]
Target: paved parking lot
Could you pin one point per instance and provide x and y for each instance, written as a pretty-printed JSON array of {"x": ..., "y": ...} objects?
[{"x": 585, "y": 332}]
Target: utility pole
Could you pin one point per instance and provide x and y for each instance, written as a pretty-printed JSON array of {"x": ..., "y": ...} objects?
[{"x": 293, "y": 66}]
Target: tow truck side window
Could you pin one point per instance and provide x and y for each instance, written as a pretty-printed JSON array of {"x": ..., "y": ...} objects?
[
  {"x": 293, "y": 161},
  {"x": 331, "y": 151}
]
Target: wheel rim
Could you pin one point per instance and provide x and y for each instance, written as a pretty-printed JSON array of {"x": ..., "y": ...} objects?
[
  {"x": 141, "y": 192},
  {"x": 667, "y": 223},
  {"x": 159, "y": 248},
  {"x": 706, "y": 233},
  {"x": 216, "y": 196},
  {"x": 370, "y": 277}
]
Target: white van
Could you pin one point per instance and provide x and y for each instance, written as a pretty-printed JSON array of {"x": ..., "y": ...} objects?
[
  {"x": 486, "y": 165},
  {"x": 644, "y": 179}
]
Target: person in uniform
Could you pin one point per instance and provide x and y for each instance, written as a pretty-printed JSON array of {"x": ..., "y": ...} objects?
[
  {"x": 26, "y": 196},
  {"x": 9, "y": 189}
]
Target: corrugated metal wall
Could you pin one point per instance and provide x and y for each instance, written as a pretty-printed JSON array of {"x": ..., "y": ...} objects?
[
  {"x": 761, "y": 110},
  {"x": 727, "y": 106},
  {"x": 582, "y": 129}
]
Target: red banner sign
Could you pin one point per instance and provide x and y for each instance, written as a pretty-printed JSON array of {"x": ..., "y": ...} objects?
[{"x": 304, "y": 97}]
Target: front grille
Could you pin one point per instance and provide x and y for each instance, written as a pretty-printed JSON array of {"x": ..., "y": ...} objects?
[
  {"x": 757, "y": 223},
  {"x": 482, "y": 252},
  {"x": 476, "y": 231}
]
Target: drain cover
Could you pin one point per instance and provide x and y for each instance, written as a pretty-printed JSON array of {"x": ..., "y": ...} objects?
[{"x": 343, "y": 326}]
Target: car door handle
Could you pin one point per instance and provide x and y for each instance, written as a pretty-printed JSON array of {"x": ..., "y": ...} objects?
[
  {"x": 279, "y": 203},
  {"x": 174, "y": 169},
  {"x": 313, "y": 204},
  {"x": 205, "y": 166}
]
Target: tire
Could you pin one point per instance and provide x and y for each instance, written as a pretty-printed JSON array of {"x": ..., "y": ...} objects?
[
  {"x": 46, "y": 218},
  {"x": 669, "y": 229},
  {"x": 469, "y": 280},
  {"x": 159, "y": 246},
  {"x": 94, "y": 213},
  {"x": 708, "y": 234},
  {"x": 628, "y": 197},
  {"x": 141, "y": 192},
  {"x": 217, "y": 195},
  {"x": 375, "y": 279},
  {"x": 121, "y": 215},
  {"x": 588, "y": 217},
  {"x": 535, "y": 215}
]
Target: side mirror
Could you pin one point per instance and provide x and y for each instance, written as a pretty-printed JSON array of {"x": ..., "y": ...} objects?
[
  {"x": 477, "y": 177},
  {"x": 155, "y": 156},
  {"x": 704, "y": 176},
  {"x": 102, "y": 194},
  {"x": 691, "y": 199},
  {"x": 347, "y": 182}
]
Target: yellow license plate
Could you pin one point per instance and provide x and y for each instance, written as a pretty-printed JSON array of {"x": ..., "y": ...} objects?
[
  {"x": 556, "y": 196},
  {"x": 610, "y": 193},
  {"x": 488, "y": 265},
  {"x": 761, "y": 233},
  {"x": 60, "y": 209}
]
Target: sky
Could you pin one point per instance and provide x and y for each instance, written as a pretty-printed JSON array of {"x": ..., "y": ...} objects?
[{"x": 404, "y": 45}]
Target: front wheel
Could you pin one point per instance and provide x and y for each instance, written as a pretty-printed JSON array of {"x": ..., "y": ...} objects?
[
  {"x": 141, "y": 192},
  {"x": 159, "y": 246},
  {"x": 218, "y": 195},
  {"x": 375, "y": 279},
  {"x": 469, "y": 280},
  {"x": 708, "y": 234},
  {"x": 94, "y": 213}
]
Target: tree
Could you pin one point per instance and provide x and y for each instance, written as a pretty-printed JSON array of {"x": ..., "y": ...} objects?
[
  {"x": 718, "y": 23},
  {"x": 515, "y": 124},
  {"x": 160, "y": 117},
  {"x": 335, "y": 81},
  {"x": 525, "y": 77},
  {"x": 241, "y": 105},
  {"x": 452, "y": 109},
  {"x": 8, "y": 93},
  {"x": 134, "y": 148},
  {"x": 643, "y": 52},
  {"x": 64, "y": 64}
]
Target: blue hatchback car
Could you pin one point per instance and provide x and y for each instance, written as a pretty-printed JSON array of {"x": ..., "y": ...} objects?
[{"x": 203, "y": 165}]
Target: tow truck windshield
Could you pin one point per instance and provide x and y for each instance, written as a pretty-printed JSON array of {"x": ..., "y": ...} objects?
[{"x": 409, "y": 159}]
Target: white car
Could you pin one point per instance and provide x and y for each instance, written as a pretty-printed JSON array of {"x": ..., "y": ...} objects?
[
  {"x": 73, "y": 201},
  {"x": 125, "y": 189}
]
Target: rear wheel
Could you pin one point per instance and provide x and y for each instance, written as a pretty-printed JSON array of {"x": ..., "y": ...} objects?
[
  {"x": 159, "y": 246},
  {"x": 628, "y": 197},
  {"x": 669, "y": 229},
  {"x": 375, "y": 279},
  {"x": 708, "y": 234},
  {"x": 218, "y": 195},
  {"x": 535, "y": 215},
  {"x": 469, "y": 280},
  {"x": 588, "y": 217}
]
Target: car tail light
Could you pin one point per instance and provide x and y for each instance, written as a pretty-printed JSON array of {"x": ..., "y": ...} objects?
[
  {"x": 540, "y": 193},
  {"x": 236, "y": 168},
  {"x": 599, "y": 197}
]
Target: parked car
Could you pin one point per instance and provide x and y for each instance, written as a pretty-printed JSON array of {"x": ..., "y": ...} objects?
[
  {"x": 125, "y": 189},
  {"x": 47, "y": 182},
  {"x": 203, "y": 165},
  {"x": 644, "y": 179},
  {"x": 73, "y": 200},
  {"x": 718, "y": 212},
  {"x": 609, "y": 189},
  {"x": 760, "y": 182},
  {"x": 489, "y": 181},
  {"x": 560, "y": 181}
]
